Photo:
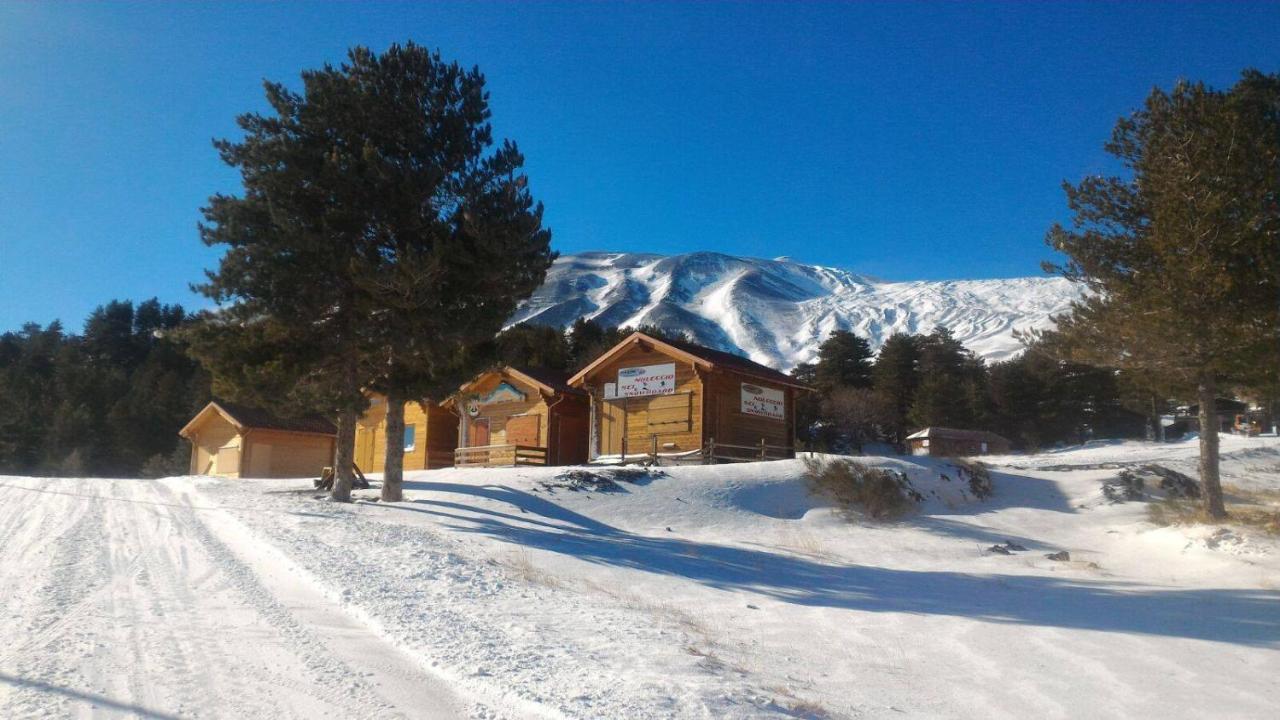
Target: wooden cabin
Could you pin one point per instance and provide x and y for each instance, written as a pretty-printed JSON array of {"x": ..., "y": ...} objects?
[
  {"x": 237, "y": 441},
  {"x": 679, "y": 402},
  {"x": 949, "y": 442},
  {"x": 430, "y": 436},
  {"x": 519, "y": 416}
]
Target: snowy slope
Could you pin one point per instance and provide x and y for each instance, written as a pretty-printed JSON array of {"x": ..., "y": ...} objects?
[
  {"x": 777, "y": 312},
  {"x": 701, "y": 592}
]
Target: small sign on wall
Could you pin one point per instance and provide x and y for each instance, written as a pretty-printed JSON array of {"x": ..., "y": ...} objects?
[
  {"x": 647, "y": 380},
  {"x": 762, "y": 401}
]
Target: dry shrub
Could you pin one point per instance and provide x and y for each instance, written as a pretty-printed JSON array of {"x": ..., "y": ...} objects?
[
  {"x": 978, "y": 475},
  {"x": 1179, "y": 511},
  {"x": 875, "y": 492}
]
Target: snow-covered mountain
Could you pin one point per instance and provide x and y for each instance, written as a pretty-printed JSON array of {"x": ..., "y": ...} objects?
[{"x": 777, "y": 312}]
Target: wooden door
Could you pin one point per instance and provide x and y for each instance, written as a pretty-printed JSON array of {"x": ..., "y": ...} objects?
[
  {"x": 613, "y": 426},
  {"x": 478, "y": 436}
]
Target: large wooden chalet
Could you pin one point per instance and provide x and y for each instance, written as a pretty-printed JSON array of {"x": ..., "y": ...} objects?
[{"x": 676, "y": 401}]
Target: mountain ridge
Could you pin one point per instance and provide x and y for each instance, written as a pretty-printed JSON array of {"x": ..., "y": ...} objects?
[{"x": 777, "y": 312}]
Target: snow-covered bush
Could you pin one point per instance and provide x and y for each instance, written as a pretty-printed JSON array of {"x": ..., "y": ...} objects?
[{"x": 877, "y": 493}]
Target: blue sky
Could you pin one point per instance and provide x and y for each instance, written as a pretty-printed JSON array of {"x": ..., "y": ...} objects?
[{"x": 904, "y": 140}]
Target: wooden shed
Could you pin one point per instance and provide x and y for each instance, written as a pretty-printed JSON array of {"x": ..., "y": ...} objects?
[
  {"x": 430, "y": 436},
  {"x": 676, "y": 401},
  {"x": 519, "y": 416},
  {"x": 231, "y": 440},
  {"x": 950, "y": 442}
]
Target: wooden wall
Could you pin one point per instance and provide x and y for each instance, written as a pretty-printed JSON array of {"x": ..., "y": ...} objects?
[
  {"x": 213, "y": 435},
  {"x": 706, "y": 405},
  {"x": 675, "y": 419},
  {"x": 569, "y": 431},
  {"x": 218, "y": 448},
  {"x": 435, "y": 436},
  {"x": 280, "y": 454},
  {"x": 726, "y": 422},
  {"x": 499, "y": 414},
  {"x": 558, "y": 424}
]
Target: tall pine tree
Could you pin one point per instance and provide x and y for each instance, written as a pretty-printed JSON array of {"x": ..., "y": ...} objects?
[
  {"x": 1182, "y": 252},
  {"x": 456, "y": 237}
]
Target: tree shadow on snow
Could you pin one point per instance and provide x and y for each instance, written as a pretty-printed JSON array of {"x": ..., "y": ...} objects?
[
  {"x": 1245, "y": 617},
  {"x": 92, "y": 700}
]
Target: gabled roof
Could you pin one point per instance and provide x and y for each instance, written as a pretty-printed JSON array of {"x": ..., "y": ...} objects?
[
  {"x": 244, "y": 417},
  {"x": 942, "y": 433},
  {"x": 546, "y": 380},
  {"x": 699, "y": 355}
]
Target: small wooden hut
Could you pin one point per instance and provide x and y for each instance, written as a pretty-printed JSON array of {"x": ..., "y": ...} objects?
[
  {"x": 430, "y": 436},
  {"x": 676, "y": 401},
  {"x": 519, "y": 416},
  {"x": 232, "y": 440},
  {"x": 950, "y": 442}
]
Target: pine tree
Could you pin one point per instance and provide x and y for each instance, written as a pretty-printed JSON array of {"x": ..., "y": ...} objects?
[
  {"x": 1182, "y": 253},
  {"x": 455, "y": 237},
  {"x": 294, "y": 327},
  {"x": 896, "y": 377},
  {"x": 844, "y": 361},
  {"x": 102, "y": 402},
  {"x": 951, "y": 392},
  {"x": 808, "y": 406},
  {"x": 589, "y": 339}
]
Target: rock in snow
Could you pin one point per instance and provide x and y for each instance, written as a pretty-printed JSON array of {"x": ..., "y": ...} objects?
[{"x": 778, "y": 312}]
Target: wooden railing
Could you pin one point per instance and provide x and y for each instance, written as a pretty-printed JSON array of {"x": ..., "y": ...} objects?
[
  {"x": 439, "y": 458},
  {"x": 710, "y": 454},
  {"x": 716, "y": 452},
  {"x": 499, "y": 456}
]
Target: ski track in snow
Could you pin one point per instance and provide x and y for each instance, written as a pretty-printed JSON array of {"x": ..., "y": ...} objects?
[
  {"x": 121, "y": 601},
  {"x": 704, "y": 592}
]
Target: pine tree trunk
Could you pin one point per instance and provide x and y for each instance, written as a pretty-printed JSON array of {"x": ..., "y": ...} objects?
[
  {"x": 344, "y": 457},
  {"x": 393, "y": 467},
  {"x": 1210, "y": 486}
]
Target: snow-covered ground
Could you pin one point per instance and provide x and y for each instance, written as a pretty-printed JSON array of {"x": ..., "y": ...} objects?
[{"x": 700, "y": 592}]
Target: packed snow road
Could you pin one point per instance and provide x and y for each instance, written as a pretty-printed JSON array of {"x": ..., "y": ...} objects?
[{"x": 124, "y": 598}]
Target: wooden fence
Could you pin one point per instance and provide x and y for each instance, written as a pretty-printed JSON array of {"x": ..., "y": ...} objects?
[
  {"x": 499, "y": 456},
  {"x": 710, "y": 454}
]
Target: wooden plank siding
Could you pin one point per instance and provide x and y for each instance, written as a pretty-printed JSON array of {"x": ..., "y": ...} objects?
[
  {"x": 705, "y": 407},
  {"x": 219, "y": 447},
  {"x": 278, "y": 453},
  {"x": 435, "y": 436},
  {"x": 211, "y": 436},
  {"x": 727, "y": 424},
  {"x": 551, "y": 426},
  {"x": 676, "y": 420}
]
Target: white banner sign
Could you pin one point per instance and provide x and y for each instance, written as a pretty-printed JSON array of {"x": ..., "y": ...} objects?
[
  {"x": 764, "y": 402},
  {"x": 647, "y": 380}
]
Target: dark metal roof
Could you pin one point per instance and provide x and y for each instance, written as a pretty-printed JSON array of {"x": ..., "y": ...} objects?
[{"x": 258, "y": 418}]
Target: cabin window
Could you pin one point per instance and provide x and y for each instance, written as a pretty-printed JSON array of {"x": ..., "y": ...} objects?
[
  {"x": 524, "y": 430},
  {"x": 924, "y": 443},
  {"x": 410, "y": 437}
]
